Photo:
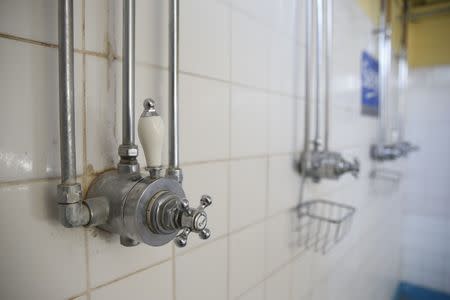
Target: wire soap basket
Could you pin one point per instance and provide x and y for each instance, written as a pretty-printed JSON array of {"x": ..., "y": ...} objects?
[{"x": 323, "y": 224}]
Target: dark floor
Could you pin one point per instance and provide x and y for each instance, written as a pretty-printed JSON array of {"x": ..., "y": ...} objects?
[{"x": 406, "y": 291}]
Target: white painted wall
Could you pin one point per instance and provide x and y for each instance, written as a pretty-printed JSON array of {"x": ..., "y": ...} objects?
[{"x": 242, "y": 103}]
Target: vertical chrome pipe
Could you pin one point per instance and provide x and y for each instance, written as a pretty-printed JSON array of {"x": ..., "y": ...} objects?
[
  {"x": 328, "y": 44},
  {"x": 308, "y": 35},
  {"x": 382, "y": 71},
  {"x": 72, "y": 211},
  {"x": 319, "y": 42},
  {"x": 128, "y": 148},
  {"x": 403, "y": 74},
  {"x": 66, "y": 93},
  {"x": 173, "y": 86}
]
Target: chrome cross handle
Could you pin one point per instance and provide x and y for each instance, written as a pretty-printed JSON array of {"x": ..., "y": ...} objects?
[{"x": 193, "y": 220}]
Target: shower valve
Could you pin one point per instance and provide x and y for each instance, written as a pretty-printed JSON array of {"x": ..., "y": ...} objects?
[{"x": 331, "y": 165}]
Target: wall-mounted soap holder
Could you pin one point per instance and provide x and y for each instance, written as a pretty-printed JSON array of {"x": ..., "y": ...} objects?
[{"x": 323, "y": 224}]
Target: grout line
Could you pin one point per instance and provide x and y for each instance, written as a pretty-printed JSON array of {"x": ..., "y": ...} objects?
[
  {"x": 131, "y": 274},
  {"x": 48, "y": 45},
  {"x": 84, "y": 154},
  {"x": 230, "y": 136},
  {"x": 276, "y": 270},
  {"x": 174, "y": 270},
  {"x": 203, "y": 76}
]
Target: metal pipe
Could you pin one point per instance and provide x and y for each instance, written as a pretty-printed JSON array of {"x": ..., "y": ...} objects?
[
  {"x": 173, "y": 86},
  {"x": 382, "y": 72},
  {"x": 328, "y": 44},
  {"x": 319, "y": 41},
  {"x": 72, "y": 211},
  {"x": 66, "y": 94},
  {"x": 403, "y": 74},
  {"x": 128, "y": 73},
  {"x": 308, "y": 35}
]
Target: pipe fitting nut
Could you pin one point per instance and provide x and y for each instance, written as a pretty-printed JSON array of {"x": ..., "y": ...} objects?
[
  {"x": 128, "y": 151},
  {"x": 74, "y": 214},
  {"x": 175, "y": 173},
  {"x": 68, "y": 194}
]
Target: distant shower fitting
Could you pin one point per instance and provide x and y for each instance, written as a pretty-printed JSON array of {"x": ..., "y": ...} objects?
[
  {"x": 151, "y": 209},
  {"x": 321, "y": 163},
  {"x": 391, "y": 140}
]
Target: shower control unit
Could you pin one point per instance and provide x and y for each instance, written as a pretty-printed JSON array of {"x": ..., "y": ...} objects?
[
  {"x": 150, "y": 209},
  {"x": 329, "y": 165}
]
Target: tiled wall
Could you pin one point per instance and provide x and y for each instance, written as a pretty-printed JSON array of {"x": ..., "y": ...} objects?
[
  {"x": 242, "y": 103},
  {"x": 426, "y": 238}
]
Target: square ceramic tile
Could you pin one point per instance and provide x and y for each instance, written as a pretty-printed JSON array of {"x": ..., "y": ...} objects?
[
  {"x": 250, "y": 53},
  {"x": 286, "y": 15},
  {"x": 101, "y": 120},
  {"x": 256, "y": 293},
  {"x": 299, "y": 126},
  {"x": 211, "y": 261},
  {"x": 153, "y": 283},
  {"x": 278, "y": 286},
  {"x": 109, "y": 260},
  {"x": 279, "y": 241},
  {"x": 248, "y": 181},
  {"x": 152, "y": 31},
  {"x": 29, "y": 84},
  {"x": 204, "y": 119},
  {"x": 208, "y": 179},
  {"x": 35, "y": 246},
  {"x": 96, "y": 25},
  {"x": 301, "y": 276},
  {"x": 284, "y": 184},
  {"x": 246, "y": 259},
  {"x": 284, "y": 59},
  {"x": 38, "y": 20},
  {"x": 205, "y": 38},
  {"x": 249, "y": 122},
  {"x": 281, "y": 124}
]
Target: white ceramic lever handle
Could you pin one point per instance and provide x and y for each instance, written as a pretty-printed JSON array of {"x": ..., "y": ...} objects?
[{"x": 151, "y": 134}]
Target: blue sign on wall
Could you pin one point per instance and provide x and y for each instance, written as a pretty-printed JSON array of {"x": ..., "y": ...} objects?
[{"x": 369, "y": 84}]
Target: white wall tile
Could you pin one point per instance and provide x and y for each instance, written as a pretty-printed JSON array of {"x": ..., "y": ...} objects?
[
  {"x": 96, "y": 25},
  {"x": 259, "y": 10},
  {"x": 152, "y": 283},
  {"x": 256, "y": 293},
  {"x": 101, "y": 140},
  {"x": 279, "y": 241},
  {"x": 248, "y": 181},
  {"x": 212, "y": 261},
  {"x": 152, "y": 32},
  {"x": 284, "y": 184},
  {"x": 246, "y": 259},
  {"x": 281, "y": 128},
  {"x": 301, "y": 276},
  {"x": 29, "y": 83},
  {"x": 205, "y": 38},
  {"x": 249, "y": 122},
  {"x": 204, "y": 119},
  {"x": 36, "y": 250},
  {"x": 108, "y": 260},
  {"x": 278, "y": 286},
  {"x": 249, "y": 54},
  {"x": 38, "y": 20},
  {"x": 283, "y": 62}
]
